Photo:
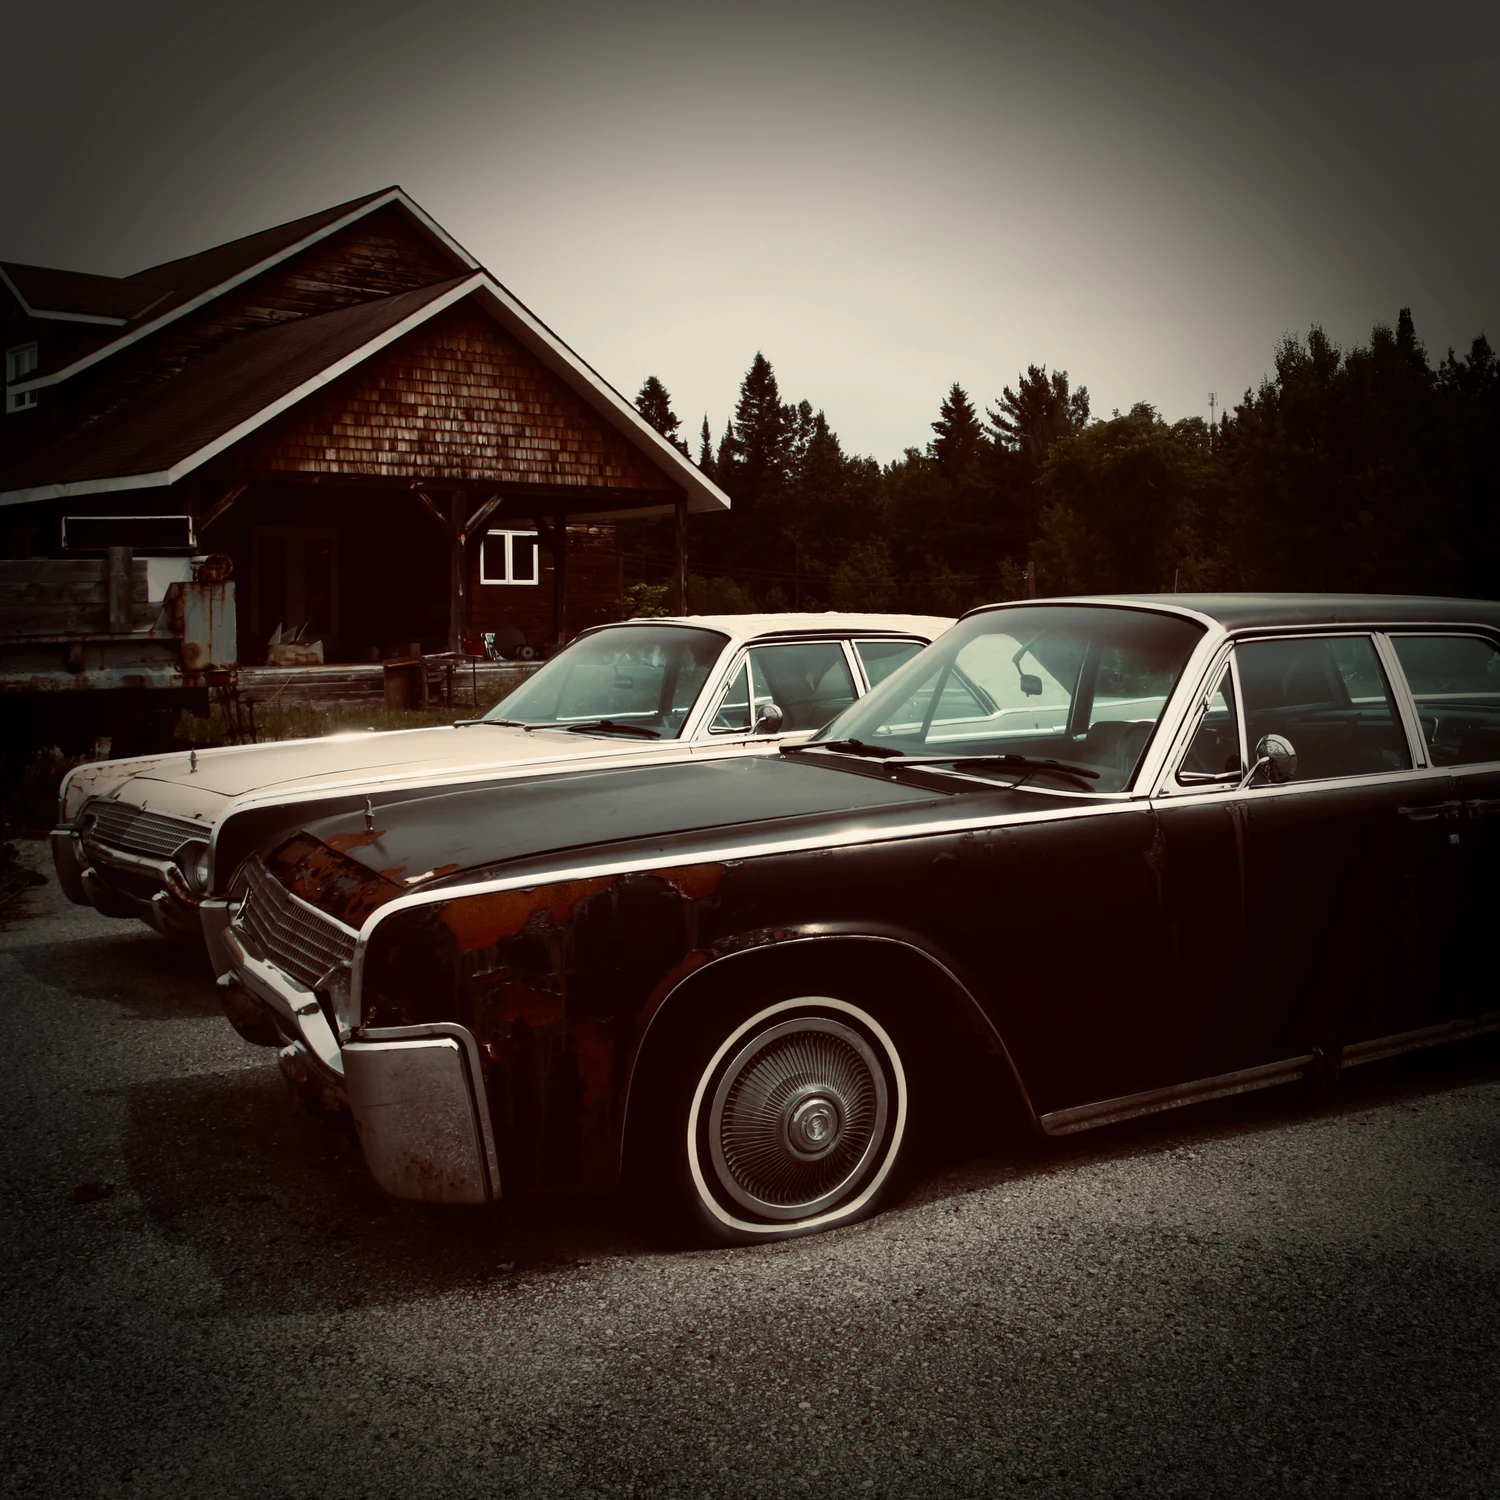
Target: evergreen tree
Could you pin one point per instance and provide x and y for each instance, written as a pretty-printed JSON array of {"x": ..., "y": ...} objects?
[
  {"x": 959, "y": 436},
  {"x": 706, "y": 450},
  {"x": 1040, "y": 413},
  {"x": 655, "y": 405}
]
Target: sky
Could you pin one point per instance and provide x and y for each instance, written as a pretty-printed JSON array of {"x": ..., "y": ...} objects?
[{"x": 884, "y": 199}]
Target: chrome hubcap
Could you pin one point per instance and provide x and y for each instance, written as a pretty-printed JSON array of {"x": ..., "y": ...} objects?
[{"x": 798, "y": 1115}]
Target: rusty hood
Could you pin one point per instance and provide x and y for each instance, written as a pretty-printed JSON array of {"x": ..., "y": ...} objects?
[{"x": 353, "y": 862}]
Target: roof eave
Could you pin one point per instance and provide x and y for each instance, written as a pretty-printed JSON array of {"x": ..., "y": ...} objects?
[
  {"x": 702, "y": 495},
  {"x": 381, "y": 200}
]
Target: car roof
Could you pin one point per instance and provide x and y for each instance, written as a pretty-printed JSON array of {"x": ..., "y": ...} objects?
[
  {"x": 754, "y": 627},
  {"x": 1271, "y": 611}
]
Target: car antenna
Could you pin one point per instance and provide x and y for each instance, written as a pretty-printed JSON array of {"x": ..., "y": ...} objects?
[{"x": 369, "y": 816}]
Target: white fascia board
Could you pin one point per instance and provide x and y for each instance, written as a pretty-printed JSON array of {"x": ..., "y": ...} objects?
[
  {"x": 185, "y": 466},
  {"x": 71, "y": 317},
  {"x": 15, "y": 292},
  {"x": 394, "y": 195},
  {"x": 702, "y": 493}
]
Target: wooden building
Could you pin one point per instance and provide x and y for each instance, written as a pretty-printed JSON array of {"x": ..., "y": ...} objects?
[{"x": 386, "y": 442}]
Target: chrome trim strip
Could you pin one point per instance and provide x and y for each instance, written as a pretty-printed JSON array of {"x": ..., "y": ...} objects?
[
  {"x": 1390, "y": 663},
  {"x": 1153, "y": 1101},
  {"x": 1380, "y": 1048}
]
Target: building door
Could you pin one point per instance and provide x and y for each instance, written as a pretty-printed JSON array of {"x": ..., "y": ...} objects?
[{"x": 294, "y": 581}]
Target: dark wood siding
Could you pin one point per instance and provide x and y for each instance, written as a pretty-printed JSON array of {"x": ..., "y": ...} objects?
[
  {"x": 455, "y": 400},
  {"x": 595, "y": 582}
]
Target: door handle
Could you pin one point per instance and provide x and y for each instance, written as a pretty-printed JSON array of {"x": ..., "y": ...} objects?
[{"x": 1426, "y": 812}]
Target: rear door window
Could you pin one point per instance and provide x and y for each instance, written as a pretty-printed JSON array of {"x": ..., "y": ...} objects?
[
  {"x": 881, "y": 658},
  {"x": 1455, "y": 680},
  {"x": 1328, "y": 696}
]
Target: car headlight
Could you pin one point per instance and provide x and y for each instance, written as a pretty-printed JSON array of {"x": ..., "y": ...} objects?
[{"x": 192, "y": 862}]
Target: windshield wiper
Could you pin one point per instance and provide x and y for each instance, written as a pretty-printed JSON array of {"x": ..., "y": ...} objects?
[
  {"x": 974, "y": 763},
  {"x": 597, "y": 726},
  {"x": 845, "y": 747},
  {"x": 506, "y": 723},
  {"x": 982, "y": 763}
]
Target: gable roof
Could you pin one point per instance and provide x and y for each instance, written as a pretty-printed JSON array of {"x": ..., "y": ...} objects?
[
  {"x": 197, "y": 279},
  {"x": 174, "y": 427},
  {"x": 77, "y": 296}
]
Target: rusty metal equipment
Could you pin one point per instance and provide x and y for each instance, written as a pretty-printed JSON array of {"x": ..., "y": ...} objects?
[{"x": 114, "y": 644}]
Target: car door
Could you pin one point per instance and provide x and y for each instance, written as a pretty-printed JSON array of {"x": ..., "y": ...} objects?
[
  {"x": 1454, "y": 681},
  {"x": 1301, "y": 904}
]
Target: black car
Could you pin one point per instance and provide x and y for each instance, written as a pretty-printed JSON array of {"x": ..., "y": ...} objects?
[{"x": 1087, "y": 858}]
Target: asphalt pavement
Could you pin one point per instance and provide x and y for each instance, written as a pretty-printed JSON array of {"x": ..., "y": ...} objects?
[{"x": 1246, "y": 1298}]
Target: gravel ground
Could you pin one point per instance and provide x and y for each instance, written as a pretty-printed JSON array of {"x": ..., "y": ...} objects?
[{"x": 1242, "y": 1299}]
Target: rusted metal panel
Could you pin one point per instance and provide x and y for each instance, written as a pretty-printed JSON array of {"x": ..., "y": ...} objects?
[{"x": 208, "y": 626}]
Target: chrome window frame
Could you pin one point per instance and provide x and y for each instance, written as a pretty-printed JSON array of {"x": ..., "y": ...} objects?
[
  {"x": 1458, "y": 632},
  {"x": 1402, "y": 699}
]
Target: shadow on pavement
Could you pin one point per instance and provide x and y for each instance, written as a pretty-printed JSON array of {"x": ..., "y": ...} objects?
[
  {"x": 280, "y": 1206},
  {"x": 144, "y": 974}
]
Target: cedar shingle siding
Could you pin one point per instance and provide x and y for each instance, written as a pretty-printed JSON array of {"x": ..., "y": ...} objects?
[{"x": 454, "y": 400}]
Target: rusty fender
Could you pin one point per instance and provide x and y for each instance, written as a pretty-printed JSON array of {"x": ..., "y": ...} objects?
[{"x": 544, "y": 977}]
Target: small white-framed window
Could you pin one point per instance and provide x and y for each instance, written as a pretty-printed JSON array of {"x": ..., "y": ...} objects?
[
  {"x": 509, "y": 557},
  {"x": 20, "y": 361}
]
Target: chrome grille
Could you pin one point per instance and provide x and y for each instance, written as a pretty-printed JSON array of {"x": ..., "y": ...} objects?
[
  {"x": 296, "y": 937},
  {"x": 118, "y": 825}
]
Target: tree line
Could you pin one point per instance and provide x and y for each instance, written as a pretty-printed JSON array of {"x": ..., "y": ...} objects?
[{"x": 1366, "y": 469}]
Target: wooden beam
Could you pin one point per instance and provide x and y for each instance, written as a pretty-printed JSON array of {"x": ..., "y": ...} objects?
[
  {"x": 559, "y": 575},
  {"x": 458, "y": 612},
  {"x": 682, "y": 558},
  {"x": 219, "y": 506},
  {"x": 479, "y": 517},
  {"x": 433, "y": 509}
]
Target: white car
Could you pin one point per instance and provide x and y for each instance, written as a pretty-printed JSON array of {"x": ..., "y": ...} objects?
[{"x": 133, "y": 836}]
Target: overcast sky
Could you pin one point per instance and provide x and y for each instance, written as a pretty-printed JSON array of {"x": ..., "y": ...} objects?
[{"x": 882, "y": 198}]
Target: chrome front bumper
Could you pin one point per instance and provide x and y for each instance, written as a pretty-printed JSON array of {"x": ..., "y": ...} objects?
[
  {"x": 416, "y": 1093},
  {"x": 83, "y": 882}
]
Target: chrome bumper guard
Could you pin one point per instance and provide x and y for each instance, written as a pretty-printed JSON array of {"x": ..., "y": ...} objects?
[
  {"x": 416, "y": 1093},
  {"x": 68, "y": 866}
]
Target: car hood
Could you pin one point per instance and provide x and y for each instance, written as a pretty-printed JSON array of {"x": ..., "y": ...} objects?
[
  {"x": 446, "y": 837},
  {"x": 200, "y": 787}
]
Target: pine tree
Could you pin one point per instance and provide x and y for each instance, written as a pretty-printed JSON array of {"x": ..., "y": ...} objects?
[
  {"x": 1042, "y": 412},
  {"x": 706, "y": 451},
  {"x": 959, "y": 435},
  {"x": 655, "y": 405}
]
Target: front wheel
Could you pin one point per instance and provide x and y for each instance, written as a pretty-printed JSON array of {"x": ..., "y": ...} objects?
[{"x": 794, "y": 1118}]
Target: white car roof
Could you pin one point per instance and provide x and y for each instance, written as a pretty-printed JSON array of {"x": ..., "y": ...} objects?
[{"x": 752, "y": 627}]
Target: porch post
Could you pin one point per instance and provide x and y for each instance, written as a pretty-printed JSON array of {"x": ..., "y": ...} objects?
[
  {"x": 559, "y": 575},
  {"x": 682, "y": 568},
  {"x": 458, "y": 584}
]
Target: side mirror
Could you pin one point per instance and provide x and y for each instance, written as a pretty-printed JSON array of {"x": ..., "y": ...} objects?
[
  {"x": 769, "y": 719},
  {"x": 1031, "y": 685},
  {"x": 1275, "y": 756}
]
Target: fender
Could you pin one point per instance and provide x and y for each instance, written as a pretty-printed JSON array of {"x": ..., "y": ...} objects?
[{"x": 759, "y": 946}]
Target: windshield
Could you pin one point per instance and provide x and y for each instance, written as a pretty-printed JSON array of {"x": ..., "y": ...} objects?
[
  {"x": 643, "y": 679},
  {"x": 1081, "y": 684}
]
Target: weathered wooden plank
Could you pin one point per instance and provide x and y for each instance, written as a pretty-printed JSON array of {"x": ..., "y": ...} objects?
[{"x": 57, "y": 620}]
